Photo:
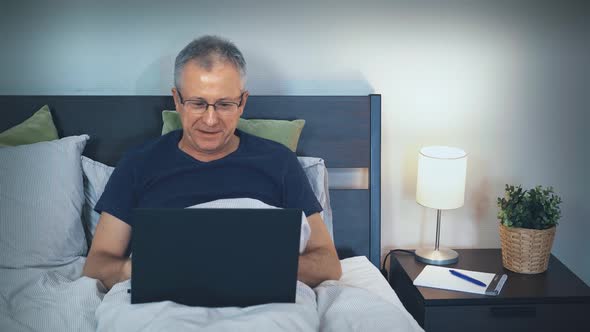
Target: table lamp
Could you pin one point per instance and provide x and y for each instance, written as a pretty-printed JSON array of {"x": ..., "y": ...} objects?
[{"x": 441, "y": 186}]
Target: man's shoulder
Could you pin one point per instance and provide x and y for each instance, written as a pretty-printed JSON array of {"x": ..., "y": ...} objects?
[
  {"x": 153, "y": 148},
  {"x": 263, "y": 145}
]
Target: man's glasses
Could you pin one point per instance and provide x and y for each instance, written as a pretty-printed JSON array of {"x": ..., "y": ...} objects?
[{"x": 200, "y": 106}]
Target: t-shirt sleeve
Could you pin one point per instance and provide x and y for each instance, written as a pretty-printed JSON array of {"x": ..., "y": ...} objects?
[
  {"x": 297, "y": 189},
  {"x": 119, "y": 196}
]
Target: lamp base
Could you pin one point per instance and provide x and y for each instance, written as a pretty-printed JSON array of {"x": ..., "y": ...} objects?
[{"x": 442, "y": 256}]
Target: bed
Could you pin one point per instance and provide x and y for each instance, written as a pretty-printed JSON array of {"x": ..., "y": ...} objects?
[{"x": 344, "y": 132}]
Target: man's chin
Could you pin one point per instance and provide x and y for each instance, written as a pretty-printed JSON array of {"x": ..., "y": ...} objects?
[
  {"x": 208, "y": 143},
  {"x": 210, "y": 146}
]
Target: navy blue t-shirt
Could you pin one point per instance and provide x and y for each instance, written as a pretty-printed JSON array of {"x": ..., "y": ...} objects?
[{"x": 160, "y": 175}]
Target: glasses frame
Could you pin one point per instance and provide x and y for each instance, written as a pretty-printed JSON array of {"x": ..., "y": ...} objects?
[{"x": 214, "y": 105}]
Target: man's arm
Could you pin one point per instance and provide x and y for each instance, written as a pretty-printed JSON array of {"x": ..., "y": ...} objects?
[
  {"x": 107, "y": 260},
  {"x": 320, "y": 261}
]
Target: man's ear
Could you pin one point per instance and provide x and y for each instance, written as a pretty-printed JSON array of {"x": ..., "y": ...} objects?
[
  {"x": 244, "y": 99},
  {"x": 176, "y": 98}
]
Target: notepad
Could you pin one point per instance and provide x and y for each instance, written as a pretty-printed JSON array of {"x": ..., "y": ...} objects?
[{"x": 440, "y": 277}]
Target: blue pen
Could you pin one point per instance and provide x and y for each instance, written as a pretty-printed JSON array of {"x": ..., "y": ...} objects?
[{"x": 468, "y": 278}]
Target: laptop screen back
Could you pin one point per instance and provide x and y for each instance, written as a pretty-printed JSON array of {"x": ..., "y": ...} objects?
[{"x": 215, "y": 257}]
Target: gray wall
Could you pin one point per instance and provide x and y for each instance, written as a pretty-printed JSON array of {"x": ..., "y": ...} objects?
[{"x": 505, "y": 80}]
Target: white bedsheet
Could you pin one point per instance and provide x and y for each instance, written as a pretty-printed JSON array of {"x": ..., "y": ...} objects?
[
  {"x": 116, "y": 314},
  {"x": 58, "y": 299},
  {"x": 361, "y": 300}
]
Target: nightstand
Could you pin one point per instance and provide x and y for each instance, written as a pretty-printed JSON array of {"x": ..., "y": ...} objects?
[{"x": 551, "y": 301}]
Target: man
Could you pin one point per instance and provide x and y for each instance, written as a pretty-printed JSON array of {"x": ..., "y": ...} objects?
[{"x": 209, "y": 159}]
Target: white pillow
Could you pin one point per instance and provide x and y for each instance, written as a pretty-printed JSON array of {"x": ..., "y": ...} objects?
[
  {"x": 41, "y": 197},
  {"x": 250, "y": 203},
  {"x": 316, "y": 172},
  {"x": 96, "y": 176}
]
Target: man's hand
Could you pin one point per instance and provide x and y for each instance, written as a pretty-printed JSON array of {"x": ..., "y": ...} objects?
[
  {"x": 320, "y": 261},
  {"x": 107, "y": 260},
  {"x": 126, "y": 273}
]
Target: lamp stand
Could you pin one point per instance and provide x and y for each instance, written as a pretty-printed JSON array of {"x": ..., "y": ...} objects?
[{"x": 438, "y": 256}]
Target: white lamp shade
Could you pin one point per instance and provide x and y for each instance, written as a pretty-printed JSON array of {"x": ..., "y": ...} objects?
[{"x": 441, "y": 177}]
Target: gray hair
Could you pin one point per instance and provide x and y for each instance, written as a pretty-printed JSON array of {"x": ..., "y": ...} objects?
[{"x": 207, "y": 51}]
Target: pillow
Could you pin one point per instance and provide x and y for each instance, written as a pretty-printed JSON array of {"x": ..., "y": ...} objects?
[
  {"x": 281, "y": 131},
  {"x": 40, "y": 203},
  {"x": 38, "y": 128},
  {"x": 250, "y": 203},
  {"x": 171, "y": 121},
  {"x": 317, "y": 173},
  {"x": 96, "y": 176}
]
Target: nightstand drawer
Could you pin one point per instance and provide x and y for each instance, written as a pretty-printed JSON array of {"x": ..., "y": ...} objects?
[{"x": 525, "y": 317}]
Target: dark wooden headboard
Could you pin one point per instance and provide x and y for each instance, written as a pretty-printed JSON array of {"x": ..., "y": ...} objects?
[{"x": 345, "y": 131}]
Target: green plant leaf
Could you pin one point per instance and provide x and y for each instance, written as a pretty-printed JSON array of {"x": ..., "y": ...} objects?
[{"x": 536, "y": 208}]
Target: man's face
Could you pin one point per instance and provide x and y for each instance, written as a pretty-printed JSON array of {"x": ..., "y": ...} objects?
[{"x": 209, "y": 133}]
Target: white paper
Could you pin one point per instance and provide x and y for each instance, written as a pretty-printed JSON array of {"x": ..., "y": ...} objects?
[{"x": 440, "y": 277}]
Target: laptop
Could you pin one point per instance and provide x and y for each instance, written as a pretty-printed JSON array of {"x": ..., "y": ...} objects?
[{"x": 215, "y": 257}]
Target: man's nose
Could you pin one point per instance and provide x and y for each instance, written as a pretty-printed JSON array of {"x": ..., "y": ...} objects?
[{"x": 210, "y": 116}]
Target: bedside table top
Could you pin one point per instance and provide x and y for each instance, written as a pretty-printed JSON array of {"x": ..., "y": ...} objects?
[{"x": 556, "y": 285}]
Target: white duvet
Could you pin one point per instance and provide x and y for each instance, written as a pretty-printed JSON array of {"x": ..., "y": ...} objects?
[
  {"x": 52, "y": 299},
  {"x": 58, "y": 299}
]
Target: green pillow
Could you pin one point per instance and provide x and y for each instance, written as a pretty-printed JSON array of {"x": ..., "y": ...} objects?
[
  {"x": 281, "y": 131},
  {"x": 38, "y": 128}
]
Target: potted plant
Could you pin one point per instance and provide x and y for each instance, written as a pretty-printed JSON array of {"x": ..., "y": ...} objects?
[{"x": 528, "y": 219}]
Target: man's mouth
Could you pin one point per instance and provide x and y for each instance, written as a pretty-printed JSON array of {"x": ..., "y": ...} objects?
[{"x": 209, "y": 132}]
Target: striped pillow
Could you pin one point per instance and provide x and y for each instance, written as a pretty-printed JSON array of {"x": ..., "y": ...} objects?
[{"x": 41, "y": 196}]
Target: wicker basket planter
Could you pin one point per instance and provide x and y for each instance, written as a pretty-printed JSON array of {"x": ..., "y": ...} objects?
[{"x": 526, "y": 250}]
